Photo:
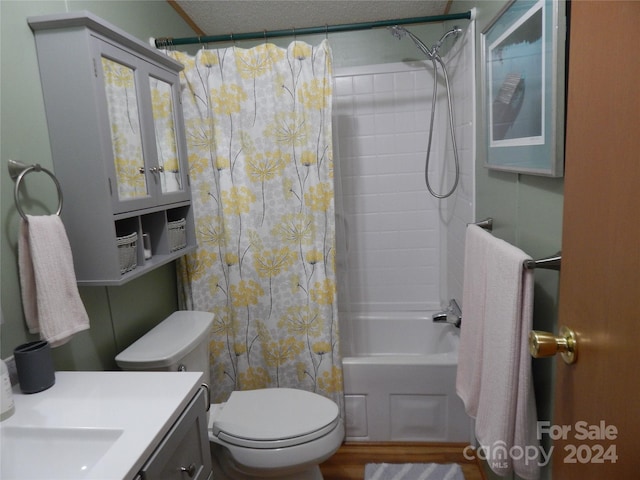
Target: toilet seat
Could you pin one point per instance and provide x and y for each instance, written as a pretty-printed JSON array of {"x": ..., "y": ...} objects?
[{"x": 274, "y": 418}]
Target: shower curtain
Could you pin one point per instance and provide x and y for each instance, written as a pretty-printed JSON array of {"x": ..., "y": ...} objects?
[{"x": 258, "y": 128}]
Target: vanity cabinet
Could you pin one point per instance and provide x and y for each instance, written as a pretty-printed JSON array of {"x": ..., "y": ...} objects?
[
  {"x": 184, "y": 452},
  {"x": 118, "y": 143}
]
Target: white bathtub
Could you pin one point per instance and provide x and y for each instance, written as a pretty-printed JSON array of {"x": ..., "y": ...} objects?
[{"x": 399, "y": 378}]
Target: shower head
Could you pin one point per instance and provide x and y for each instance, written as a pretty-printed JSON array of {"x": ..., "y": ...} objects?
[
  {"x": 398, "y": 31},
  {"x": 401, "y": 32},
  {"x": 454, "y": 31}
]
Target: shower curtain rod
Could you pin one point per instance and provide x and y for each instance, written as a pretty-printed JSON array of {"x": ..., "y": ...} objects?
[{"x": 164, "y": 42}]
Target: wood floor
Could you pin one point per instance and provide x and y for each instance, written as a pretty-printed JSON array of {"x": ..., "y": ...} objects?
[{"x": 349, "y": 461}]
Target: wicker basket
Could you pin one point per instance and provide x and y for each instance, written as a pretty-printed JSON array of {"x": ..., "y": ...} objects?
[
  {"x": 177, "y": 235},
  {"x": 127, "y": 252}
]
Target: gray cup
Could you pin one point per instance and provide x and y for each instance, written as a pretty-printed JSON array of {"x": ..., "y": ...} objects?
[{"x": 35, "y": 366}]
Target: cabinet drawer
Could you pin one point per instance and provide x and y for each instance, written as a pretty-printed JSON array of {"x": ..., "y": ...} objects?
[{"x": 184, "y": 452}]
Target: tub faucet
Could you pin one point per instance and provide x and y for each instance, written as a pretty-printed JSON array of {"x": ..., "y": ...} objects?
[{"x": 452, "y": 314}]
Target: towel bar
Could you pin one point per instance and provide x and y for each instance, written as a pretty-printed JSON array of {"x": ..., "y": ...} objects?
[
  {"x": 487, "y": 223},
  {"x": 550, "y": 263},
  {"x": 17, "y": 171}
]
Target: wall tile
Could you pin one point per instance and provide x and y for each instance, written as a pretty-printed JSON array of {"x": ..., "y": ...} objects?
[{"x": 397, "y": 233}]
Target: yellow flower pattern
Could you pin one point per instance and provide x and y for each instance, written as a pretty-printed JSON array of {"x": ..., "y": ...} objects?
[
  {"x": 253, "y": 378},
  {"x": 314, "y": 93},
  {"x": 228, "y": 99},
  {"x": 208, "y": 59},
  {"x": 124, "y": 120},
  {"x": 288, "y": 129},
  {"x": 259, "y": 136},
  {"x": 264, "y": 167},
  {"x": 301, "y": 50},
  {"x": 246, "y": 293},
  {"x": 295, "y": 228},
  {"x": 237, "y": 200},
  {"x": 308, "y": 158},
  {"x": 258, "y": 61},
  {"x": 331, "y": 381},
  {"x": 270, "y": 263},
  {"x": 324, "y": 292},
  {"x": 301, "y": 320},
  {"x": 320, "y": 197}
]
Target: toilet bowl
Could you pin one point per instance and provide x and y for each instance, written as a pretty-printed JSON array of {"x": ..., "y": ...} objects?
[{"x": 280, "y": 433}]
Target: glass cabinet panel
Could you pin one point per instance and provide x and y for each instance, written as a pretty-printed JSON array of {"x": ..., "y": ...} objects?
[
  {"x": 126, "y": 136},
  {"x": 166, "y": 144}
]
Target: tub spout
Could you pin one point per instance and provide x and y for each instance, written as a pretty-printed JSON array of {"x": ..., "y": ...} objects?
[
  {"x": 439, "y": 317},
  {"x": 452, "y": 314}
]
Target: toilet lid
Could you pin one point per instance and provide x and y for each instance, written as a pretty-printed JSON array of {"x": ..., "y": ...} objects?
[{"x": 274, "y": 418}]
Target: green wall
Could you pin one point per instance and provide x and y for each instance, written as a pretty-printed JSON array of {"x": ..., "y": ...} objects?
[{"x": 118, "y": 315}]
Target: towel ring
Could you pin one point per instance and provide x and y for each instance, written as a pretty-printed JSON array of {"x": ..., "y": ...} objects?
[{"x": 18, "y": 171}]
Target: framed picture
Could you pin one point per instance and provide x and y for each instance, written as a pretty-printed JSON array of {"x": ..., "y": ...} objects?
[{"x": 523, "y": 65}]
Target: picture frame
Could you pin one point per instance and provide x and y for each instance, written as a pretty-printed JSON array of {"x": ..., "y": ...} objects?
[{"x": 523, "y": 75}]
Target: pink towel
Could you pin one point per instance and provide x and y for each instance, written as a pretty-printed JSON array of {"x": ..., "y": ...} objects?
[
  {"x": 50, "y": 297},
  {"x": 473, "y": 305},
  {"x": 495, "y": 378}
]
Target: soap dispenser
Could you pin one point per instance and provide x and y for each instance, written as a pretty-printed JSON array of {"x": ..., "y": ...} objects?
[{"x": 6, "y": 401}]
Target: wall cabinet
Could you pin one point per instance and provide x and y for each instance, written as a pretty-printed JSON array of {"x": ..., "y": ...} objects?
[{"x": 118, "y": 143}]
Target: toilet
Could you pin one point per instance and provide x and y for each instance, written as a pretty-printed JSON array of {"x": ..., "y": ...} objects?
[{"x": 280, "y": 433}]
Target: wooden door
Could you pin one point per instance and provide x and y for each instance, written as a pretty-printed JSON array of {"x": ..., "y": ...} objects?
[{"x": 599, "y": 396}]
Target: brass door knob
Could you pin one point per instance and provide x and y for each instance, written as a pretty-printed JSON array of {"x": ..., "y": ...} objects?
[{"x": 545, "y": 344}]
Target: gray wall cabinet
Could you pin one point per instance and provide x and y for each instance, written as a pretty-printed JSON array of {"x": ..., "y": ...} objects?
[{"x": 118, "y": 143}]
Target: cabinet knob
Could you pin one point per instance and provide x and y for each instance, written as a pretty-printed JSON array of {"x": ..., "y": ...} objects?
[
  {"x": 190, "y": 470},
  {"x": 152, "y": 169}
]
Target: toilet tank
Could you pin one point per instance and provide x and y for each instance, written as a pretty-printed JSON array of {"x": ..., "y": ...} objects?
[{"x": 180, "y": 342}]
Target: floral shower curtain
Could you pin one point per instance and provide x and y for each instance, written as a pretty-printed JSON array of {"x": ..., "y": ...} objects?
[{"x": 258, "y": 127}]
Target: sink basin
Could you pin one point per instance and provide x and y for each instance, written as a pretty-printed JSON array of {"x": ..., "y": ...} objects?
[{"x": 36, "y": 452}]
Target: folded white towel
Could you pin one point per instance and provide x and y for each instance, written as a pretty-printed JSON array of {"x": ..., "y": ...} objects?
[
  {"x": 50, "y": 297},
  {"x": 495, "y": 376}
]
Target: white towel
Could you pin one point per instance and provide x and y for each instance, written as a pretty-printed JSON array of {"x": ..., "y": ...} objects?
[
  {"x": 50, "y": 297},
  {"x": 503, "y": 394}
]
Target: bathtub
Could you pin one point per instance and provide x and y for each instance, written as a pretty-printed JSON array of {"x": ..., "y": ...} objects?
[{"x": 399, "y": 378}]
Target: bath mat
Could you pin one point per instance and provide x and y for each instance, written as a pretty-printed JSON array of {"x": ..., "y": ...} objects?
[{"x": 412, "y": 471}]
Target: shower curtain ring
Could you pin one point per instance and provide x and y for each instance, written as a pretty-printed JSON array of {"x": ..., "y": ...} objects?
[{"x": 326, "y": 31}]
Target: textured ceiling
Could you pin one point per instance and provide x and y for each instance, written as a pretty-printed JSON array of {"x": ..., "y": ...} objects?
[{"x": 218, "y": 17}]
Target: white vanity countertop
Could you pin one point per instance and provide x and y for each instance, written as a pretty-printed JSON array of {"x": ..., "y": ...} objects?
[{"x": 114, "y": 419}]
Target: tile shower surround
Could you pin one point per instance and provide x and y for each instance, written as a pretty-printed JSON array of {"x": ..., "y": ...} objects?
[{"x": 404, "y": 247}]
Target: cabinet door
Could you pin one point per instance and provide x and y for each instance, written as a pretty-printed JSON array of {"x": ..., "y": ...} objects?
[
  {"x": 184, "y": 452},
  {"x": 167, "y": 121},
  {"x": 122, "y": 86}
]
